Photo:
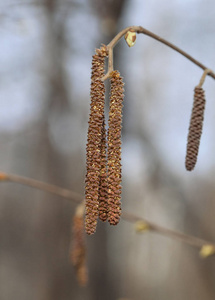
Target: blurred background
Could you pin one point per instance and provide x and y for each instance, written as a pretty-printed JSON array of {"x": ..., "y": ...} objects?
[{"x": 45, "y": 64}]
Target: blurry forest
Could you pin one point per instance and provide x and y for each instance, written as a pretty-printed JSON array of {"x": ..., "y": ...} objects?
[{"x": 45, "y": 66}]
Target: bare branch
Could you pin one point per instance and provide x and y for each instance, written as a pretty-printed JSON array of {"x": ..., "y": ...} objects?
[
  {"x": 140, "y": 29},
  {"x": 188, "y": 239},
  {"x": 77, "y": 198}
]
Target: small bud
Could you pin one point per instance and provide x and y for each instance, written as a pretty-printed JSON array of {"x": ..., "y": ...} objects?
[
  {"x": 141, "y": 226},
  {"x": 130, "y": 38},
  {"x": 207, "y": 250}
]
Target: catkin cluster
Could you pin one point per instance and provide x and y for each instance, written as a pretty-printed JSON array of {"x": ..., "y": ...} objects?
[
  {"x": 195, "y": 128},
  {"x": 103, "y": 177}
]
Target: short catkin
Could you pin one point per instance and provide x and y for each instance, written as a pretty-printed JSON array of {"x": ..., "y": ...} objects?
[
  {"x": 114, "y": 148},
  {"x": 96, "y": 126},
  {"x": 195, "y": 128}
]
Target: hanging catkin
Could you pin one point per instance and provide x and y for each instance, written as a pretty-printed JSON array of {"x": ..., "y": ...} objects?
[
  {"x": 78, "y": 246},
  {"x": 114, "y": 148},
  {"x": 103, "y": 193},
  {"x": 195, "y": 128},
  {"x": 96, "y": 123}
]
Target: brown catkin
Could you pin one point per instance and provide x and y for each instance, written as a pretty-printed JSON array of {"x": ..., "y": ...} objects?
[
  {"x": 114, "y": 148},
  {"x": 103, "y": 193},
  {"x": 78, "y": 250},
  {"x": 195, "y": 128},
  {"x": 96, "y": 123}
]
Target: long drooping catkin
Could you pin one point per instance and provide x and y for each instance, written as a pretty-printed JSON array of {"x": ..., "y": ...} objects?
[
  {"x": 114, "y": 148},
  {"x": 195, "y": 128},
  {"x": 96, "y": 123},
  {"x": 103, "y": 192}
]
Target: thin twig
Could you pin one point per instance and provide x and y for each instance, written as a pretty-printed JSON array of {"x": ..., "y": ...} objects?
[
  {"x": 140, "y": 29},
  {"x": 77, "y": 198},
  {"x": 188, "y": 239},
  {"x": 42, "y": 186},
  {"x": 202, "y": 80}
]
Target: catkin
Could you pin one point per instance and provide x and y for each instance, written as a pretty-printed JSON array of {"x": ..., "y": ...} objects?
[
  {"x": 195, "y": 128},
  {"x": 114, "y": 148},
  {"x": 78, "y": 250},
  {"x": 96, "y": 123},
  {"x": 103, "y": 193}
]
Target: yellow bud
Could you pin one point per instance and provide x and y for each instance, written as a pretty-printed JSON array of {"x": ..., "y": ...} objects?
[
  {"x": 207, "y": 250},
  {"x": 141, "y": 226},
  {"x": 130, "y": 38}
]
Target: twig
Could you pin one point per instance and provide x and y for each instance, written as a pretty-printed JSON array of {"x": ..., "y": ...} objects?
[
  {"x": 77, "y": 198},
  {"x": 202, "y": 80},
  {"x": 188, "y": 239},
  {"x": 140, "y": 29}
]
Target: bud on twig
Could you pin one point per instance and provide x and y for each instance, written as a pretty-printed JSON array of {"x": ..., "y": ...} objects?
[{"x": 130, "y": 38}]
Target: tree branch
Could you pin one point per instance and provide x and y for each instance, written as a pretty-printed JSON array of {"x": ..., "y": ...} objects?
[
  {"x": 140, "y": 29},
  {"x": 188, "y": 239},
  {"x": 77, "y": 198}
]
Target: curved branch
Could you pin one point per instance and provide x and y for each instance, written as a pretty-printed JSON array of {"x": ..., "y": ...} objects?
[
  {"x": 140, "y": 29},
  {"x": 77, "y": 198}
]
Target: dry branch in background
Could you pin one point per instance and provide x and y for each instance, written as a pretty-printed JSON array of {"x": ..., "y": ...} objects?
[
  {"x": 77, "y": 247},
  {"x": 77, "y": 198}
]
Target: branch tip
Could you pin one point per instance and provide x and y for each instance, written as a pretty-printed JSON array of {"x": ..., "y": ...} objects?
[{"x": 140, "y": 29}]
